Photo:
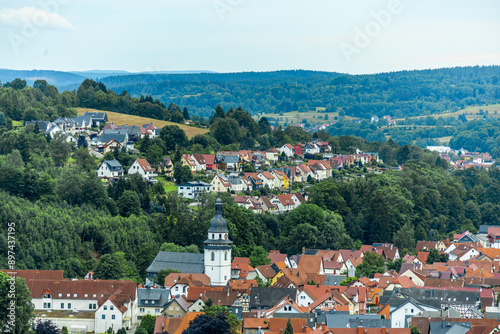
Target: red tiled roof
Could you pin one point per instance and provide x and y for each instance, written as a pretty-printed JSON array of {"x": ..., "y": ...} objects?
[{"x": 145, "y": 165}]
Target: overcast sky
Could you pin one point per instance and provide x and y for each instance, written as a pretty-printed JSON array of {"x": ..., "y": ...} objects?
[{"x": 357, "y": 36}]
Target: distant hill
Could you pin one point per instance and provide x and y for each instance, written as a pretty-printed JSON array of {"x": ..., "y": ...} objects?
[{"x": 56, "y": 78}]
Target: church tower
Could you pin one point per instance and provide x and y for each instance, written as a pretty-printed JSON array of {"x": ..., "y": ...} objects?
[{"x": 218, "y": 248}]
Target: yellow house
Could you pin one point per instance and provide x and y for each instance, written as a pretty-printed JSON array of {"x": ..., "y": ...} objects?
[
  {"x": 282, "y": 177},
  {"x": 281, "y": 265},
  {"x": 188, "y": 161}
]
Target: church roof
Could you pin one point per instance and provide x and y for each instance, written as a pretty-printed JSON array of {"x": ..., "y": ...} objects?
[{"x": 218, "y": 224}]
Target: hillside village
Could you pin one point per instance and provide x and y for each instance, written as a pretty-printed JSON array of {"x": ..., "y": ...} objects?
[
  {"x": 445, "y": 286},
  {"x": 449, "y": 286}
]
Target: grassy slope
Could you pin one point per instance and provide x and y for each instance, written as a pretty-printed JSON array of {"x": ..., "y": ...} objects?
[
  {"x": 123, "y": 119},
  {"x": 295, "y": 117},
  {"x": 471, "y": 112}
]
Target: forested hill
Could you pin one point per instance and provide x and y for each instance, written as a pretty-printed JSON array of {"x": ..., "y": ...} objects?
[{"x": 397, "y": 94}]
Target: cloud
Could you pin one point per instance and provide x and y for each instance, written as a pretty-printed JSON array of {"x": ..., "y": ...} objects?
[{"x": 36, "y": 16}]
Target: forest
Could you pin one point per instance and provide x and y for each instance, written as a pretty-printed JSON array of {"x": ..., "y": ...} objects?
[{"x": 397, "y": 94}]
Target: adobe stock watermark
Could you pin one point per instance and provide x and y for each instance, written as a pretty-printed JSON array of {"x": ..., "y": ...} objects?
[
  {"x": 33, "y": 20},
  {"x": 373, "y": 28},
  {"x": 11, "y": 293},
  {"x": 224, "y": 6}
]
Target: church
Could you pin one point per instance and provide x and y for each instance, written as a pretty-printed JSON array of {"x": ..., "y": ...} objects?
[{"x": 215, "y": 262}]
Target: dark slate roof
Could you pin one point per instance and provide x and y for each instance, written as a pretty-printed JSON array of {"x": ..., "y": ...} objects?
[
  {"x": 430, "y": 297},
  {"x": 114, "y": 165},
  {"x": 334, "y": 280},
  {"x": 42, "y": 125},
  {"x": 155, "y": 297},
  {"x": 192, "y": 263},
  {"x": 105, "y": 137},
  {"x": 80, "y": 119},
  {"x": 450, "y": 327},
  {"x": 228, "y": 159},
  {"x": 218, "y": 224},
  {"x": 132, "y": 130},
  {"x": 376, "y": 322},
  {"x": 336, "y": 319},
  {"x": 97, "y": 116},
  {"x": 268, "y": 297},
  {"x": 310, "y": 251},
  {"x": 195, "y": 184}
]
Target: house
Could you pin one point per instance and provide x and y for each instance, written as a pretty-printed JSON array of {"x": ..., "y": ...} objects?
[
  {"x": 286, "y": 202},
  {"x": 176, "y": 307},
  {"x": 299, "y": 149},
  {"x": 266, "y": 298},
  {"x": 237, "y": 183},
  {"x": 151, "y": 301},
  {"x": 97, "y": 118},
  {"x": 110, "y": 146},
  {"x": 267, "y": 205},
  {"x": 281, "y": 178},
  {"x": 166, "y": 167},
  {"x": 143, "y": 168},
  {"x": 186, "y": 160},
  {"x": 110, "y": 169},
  {"x": 401, "y": 316},
  {"x": 494, "y": 237},
  {"x": 205, "y": 162},
  {"x": 311, "y": 148},
  {"x": 94, "y": 305},
  {"x": 272, "y": 156},
  {"x": 288, "y": 149},
  {"x": 268, "y": 180},
  {"x": 229, "y": 161},
  {"x": 120, "y": 136},
  {"x": 220, "y": 183},
  {"x": 179, "y": 283},
  {"x": 43, "y": 126},
  {"x": 193, "y": 189}
]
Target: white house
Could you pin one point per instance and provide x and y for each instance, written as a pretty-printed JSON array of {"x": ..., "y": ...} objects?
[
  {"x": 151, "y": 301},
  {"x": 285, "y": 202},
  {"x": 110, "y": 169},
  {"x": 142, "y": 167},
  {"x": 267, "y": 179},
  {"x": 303, "y": 298},
  {"x": 193, "y": 189},
  {"x": 405, "y": 311},
  {"x": 90, "y": 305},
  {"x": 288, "y": 149},
  {"x": 220, "y": 183}
]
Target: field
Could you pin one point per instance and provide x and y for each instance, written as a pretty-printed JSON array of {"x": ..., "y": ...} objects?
[
  {"x": 313, "y": 117},
  {"x": 167, "y": 185},
  {"x": 124, "y": 119},
  {"x": 471, "y": 112}
]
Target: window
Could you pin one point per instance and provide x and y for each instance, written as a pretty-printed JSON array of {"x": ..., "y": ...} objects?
[
  {"x": 213, "y": 256},
  {"x": 112, "y": 307},
  {"x": 62, "y": 305},
  {"x": 105, "y": 307},
  {"x": 220, "y": 236},
  {"x": 48, "y": 305},
  {"x": 69, "y": 305},
  {"x": 225, "y": 256},
  {"x": 90, "y": 306},
  {"x": 141, "y": 309},
  {"x": 60, "y": 294},
  {"x": 75, "y": 295},
  {"x": 157, "y": 310},
  {"x": 411, "y": 310},
  {"x": 104, "y": 316},
  {"x": 94, "y": 295},
  {"x": 85, "y": 295},
  {"x": 113, "y": 317},
  {"x": 44, "y": 305}
]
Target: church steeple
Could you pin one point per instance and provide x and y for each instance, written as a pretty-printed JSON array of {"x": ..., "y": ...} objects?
[{"x": 218, "y": 248}]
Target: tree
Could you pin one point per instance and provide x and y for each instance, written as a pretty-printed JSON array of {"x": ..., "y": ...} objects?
[
  {"x": 171, "y": 247},
  {"x": 258, "y": 257},
  {"x": 64, "y": 330},
  {"x": 46, "y": 327},
  {"x": 160, "y": 277},
  {"x": 15, "y": 159},
  {"x": 182, "y": 173},
  {"x": 3, "y": 120},
  {"x": 172, "y": 136},
  {"x": 415, "y": 330},
  {"x": 395, "y": 265},
  {"x": 405, "y": 237},
  {"x": 59, "y": 149},
  {"x": 141, "y": 330},
  {"x": 129, "y": 204},
  {"x": 219, "y": 113},
  {"x": 121, "y": 331},
  {"x": 114, "y": 266},
  {"x": 20, "y": 302},
  {"x": 230, "y": 319},
  {"x": 288, "y": 328},
  {"x": 435, "y": 256},
  {"x": 154, "y": 154},
  {"x": 82, "y": 142},
  {"x": 83, "y": 158},
  {"x": 204, "y": 324},
  {"x": 148, "y": 323},
  {"x": 372, "y": 264},
  {"x": 185, "y": 113}
]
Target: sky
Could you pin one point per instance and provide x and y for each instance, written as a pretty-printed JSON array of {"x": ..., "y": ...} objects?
[{"x": 356, "y": 37}]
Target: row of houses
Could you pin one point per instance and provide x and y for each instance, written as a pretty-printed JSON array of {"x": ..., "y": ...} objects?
[{"x": 112, "y": 169}]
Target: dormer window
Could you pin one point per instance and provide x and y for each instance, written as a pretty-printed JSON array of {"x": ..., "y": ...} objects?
[{"x": 213, "y": 256}]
